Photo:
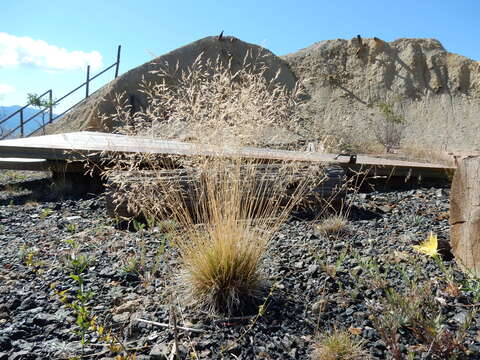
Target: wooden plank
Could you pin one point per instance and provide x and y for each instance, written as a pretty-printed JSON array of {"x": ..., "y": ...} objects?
[
  {"x": 465, "y": 215},
  {"x": 80, "y": 144}
]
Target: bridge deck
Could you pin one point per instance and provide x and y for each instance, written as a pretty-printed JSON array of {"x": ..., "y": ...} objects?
[{"x": 46, "y": 151}]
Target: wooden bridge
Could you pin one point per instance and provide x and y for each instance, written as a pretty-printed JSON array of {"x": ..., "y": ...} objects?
[{"x": 52, "y": 152}]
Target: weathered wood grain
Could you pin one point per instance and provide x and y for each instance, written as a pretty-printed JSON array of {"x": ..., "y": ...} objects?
[{"x": 465, "y": 214}]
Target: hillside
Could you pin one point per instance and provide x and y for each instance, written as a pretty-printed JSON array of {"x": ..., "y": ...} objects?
[
  {"x": 87, "y": 115},
  {"x": 346, "y": 81},
  {"x": 436, "y": 91}
]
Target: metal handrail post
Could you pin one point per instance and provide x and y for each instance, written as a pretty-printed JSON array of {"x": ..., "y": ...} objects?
[
  {"x": 118, "y": 60},
  {"x": 21, "y": 124},
  {"x": 87, "y": 83},
  {"x": 50, "y": 105}
]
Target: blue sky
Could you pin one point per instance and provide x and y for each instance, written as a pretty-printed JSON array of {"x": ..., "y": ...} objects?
[{"x": 37, "y": 37}]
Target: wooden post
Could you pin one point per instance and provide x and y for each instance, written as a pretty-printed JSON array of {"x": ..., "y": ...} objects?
[{"x": 465, "y": 214}]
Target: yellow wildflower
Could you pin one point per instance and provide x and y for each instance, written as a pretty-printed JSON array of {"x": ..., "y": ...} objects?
[{"x": 429, "y": 247}]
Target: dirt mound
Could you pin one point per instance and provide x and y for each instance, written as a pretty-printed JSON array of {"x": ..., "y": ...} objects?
[
  {"x": 86, "y": 116},
  {"x": 437, "y": 92}
]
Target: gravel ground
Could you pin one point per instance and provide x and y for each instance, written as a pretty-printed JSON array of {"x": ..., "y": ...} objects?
[{"x": 318, "y": 282}]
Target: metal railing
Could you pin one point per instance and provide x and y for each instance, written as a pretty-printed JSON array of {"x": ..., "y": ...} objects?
[{"x": 51, "y": 103}]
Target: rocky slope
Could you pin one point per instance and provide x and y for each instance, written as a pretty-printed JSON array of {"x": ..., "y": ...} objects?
[{"x": 436, "y": 91}]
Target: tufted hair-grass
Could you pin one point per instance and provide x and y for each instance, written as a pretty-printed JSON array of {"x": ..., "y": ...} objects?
[
  {"x": 228, "y": 206},
  {"x": 335, "y": 224},
  {"x": 338, "y": 345}
]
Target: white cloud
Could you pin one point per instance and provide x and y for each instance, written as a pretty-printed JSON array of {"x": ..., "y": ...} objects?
[
  {"x": 5, "y": 89},
  {"x": 16, "y": 50}
]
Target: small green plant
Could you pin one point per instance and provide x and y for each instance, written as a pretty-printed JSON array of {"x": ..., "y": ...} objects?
[
  {"x": 332, "y": 270},
  {"x": 416, "y": 220},
  {"x": 390, "y": 127},
  {"x": 36, "y": 101},
  {"x": 14, "y": 175},
  {"x": 418, "y": 313},
  {"x": 77, "y": 263},
  {"x": 86, "y": 321},
  {"x": 73, "y": 243},
  {"x": 71, "y": 227},
  {"x": 158, "y": 256},
  {"x": 374, "y": 274},
  {"x": 29, "y": 257},
  {"x": 26, "y": 255},
  {"x": 452, "y": 288},
  {"x": 472, "y": 285},
  {"x": 338, "y": 345},
  {"x": 132, "y": 266},
  {"x": 80, "y": 308},
  {"x": 44, "y": 213},
  {"x": 138, "y": 226},
  {"x": 167, "y": 226},
  {"x": 142, "y": 265}
]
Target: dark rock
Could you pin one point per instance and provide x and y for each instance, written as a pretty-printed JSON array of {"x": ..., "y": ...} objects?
[
  {"x": 107, "y": 272},
  {"x": 142, "y": 357},
  {"x": 5, "y": 343},
  {"x": 379, "y": 345},
  {"x": 4, "y": 308},
  {"x": 43, "y": 319},
  {"x": 349, "y": 311},
  {"x": 22, "y": 355},
  {"x": 18, "y": 334},
  {"x": 304, "y": 297},
  {"x": 14, "y": 303},
  {"x": 27, "y": 304}
]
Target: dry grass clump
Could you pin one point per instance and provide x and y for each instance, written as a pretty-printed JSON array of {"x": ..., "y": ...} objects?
[
  {"x": 339, "y": 345},
  {"x": 222, "y": 268},
  {"x": 228, "y": 205},
  {"x": 228, "y": 220},
  {"x": 332, "y": 225}
]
